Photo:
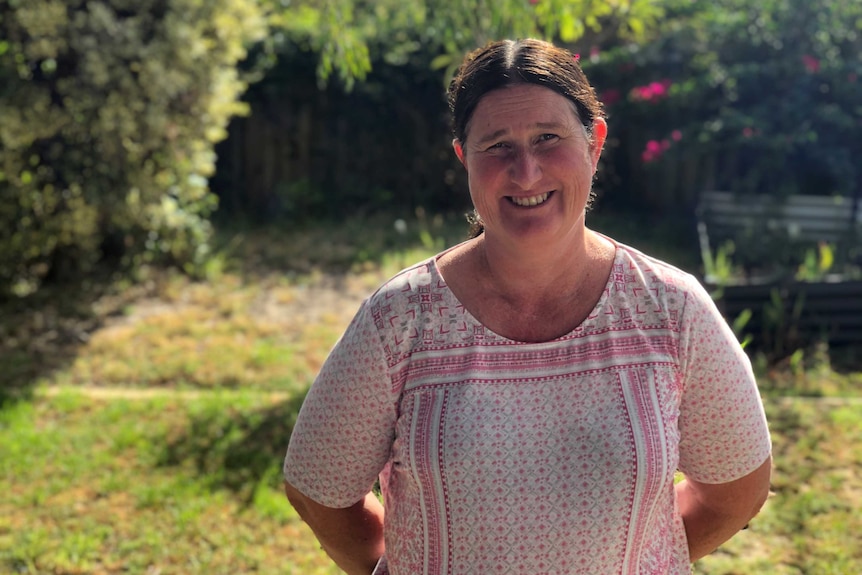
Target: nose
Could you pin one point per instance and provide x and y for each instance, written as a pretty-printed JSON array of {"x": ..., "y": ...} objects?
[{"x": 525, "y": 169}]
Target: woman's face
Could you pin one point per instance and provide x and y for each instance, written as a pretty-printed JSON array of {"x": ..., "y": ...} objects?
[{"x": 530, "y": 163}]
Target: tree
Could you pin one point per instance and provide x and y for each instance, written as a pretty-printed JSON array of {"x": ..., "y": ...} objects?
[
  {"x": 348, "y": 33},
  {"x": 109, "y": 110}
]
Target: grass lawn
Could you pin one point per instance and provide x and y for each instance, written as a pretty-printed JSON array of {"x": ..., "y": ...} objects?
[
  {"x": 190, "y": 483},
  {"x": 153, "y": 442},
  {"x": 811, "y": 525},
  {"x": 162, "y": 484}
]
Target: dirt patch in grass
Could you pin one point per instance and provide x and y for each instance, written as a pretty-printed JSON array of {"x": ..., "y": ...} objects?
[
  {"x": 268, "y": 306},
  {"x": 270, "y": 333}
]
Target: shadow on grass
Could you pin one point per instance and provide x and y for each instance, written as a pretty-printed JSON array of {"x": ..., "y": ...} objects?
[
  {"x": 41, "y": 334},
  {"x": 235, "y": 450},
  {"x": 336, "y": 247}
]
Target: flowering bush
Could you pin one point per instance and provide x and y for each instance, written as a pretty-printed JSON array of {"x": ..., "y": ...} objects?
[
  {"x": 766, "y": 94},
  {"x": 652, "y": 92}
]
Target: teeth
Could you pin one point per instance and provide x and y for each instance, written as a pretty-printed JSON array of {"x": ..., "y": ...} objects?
[{"x": 531, "y": 200}]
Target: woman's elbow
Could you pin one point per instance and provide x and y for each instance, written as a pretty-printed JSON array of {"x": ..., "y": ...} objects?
[
  {"x": 763, "y": 487},
  {"x": 751, "y": 493},
  {"x": 297, "y": 499}
]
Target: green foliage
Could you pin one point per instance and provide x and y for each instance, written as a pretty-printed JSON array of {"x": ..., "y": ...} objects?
[
  {"x": 781, "y": 333},
  {"x": 348, "y": 34},
  {"x": 738, "y": 325},
  {"x": 752, "y": 97},
  {"x": 109, "y": 111},
  {"x": 816, "y": 265},
  {"x": 173, "y": 484},
  {"x": 720, "y": 269}
]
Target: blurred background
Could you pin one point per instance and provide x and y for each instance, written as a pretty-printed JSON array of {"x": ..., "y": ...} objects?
[{"x": 195, "y": 195}]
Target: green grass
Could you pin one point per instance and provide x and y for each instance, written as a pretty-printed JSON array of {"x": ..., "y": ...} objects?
[
  {"x": 811, "y": 525},
  {"x": 190, "y": 483},
  {"x": 170, "y": 484}
]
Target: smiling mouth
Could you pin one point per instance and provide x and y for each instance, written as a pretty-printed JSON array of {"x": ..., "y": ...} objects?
[{"x": 530, "y": 201}]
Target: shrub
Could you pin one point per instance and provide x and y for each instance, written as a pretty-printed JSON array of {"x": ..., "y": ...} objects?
[
  {"x": 750, "y": 97},
  {"x": 109, "y": 111}
]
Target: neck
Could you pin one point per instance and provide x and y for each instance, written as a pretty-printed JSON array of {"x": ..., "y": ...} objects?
[{"x": 526, "y": 274}]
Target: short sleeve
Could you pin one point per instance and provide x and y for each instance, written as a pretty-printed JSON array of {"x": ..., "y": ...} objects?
[
  {"x": 345, "y": 428},
  {"x": 723, "y": 430}
]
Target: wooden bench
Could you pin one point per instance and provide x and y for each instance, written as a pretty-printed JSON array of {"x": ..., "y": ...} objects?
[
  {"x": 784, "y": 312},
  {"x": 723, "y": 215}
]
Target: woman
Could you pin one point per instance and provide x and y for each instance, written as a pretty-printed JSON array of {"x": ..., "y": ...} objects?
[{"x": 527, "y": 396}]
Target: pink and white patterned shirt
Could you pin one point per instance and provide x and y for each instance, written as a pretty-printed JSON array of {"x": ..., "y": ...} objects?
[{"x": 496, "y": 456}]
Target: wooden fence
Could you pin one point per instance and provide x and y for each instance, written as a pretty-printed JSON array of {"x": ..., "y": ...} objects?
[{"x": 312, "y": 151}]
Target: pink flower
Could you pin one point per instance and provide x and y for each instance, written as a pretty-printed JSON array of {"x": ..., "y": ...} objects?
[
  {"x": 652, "y": 91},
  {"x": 656, "y": 148},
  {"x": 852, "y": 77},
  {"x": 811, "y": 64},
  {"x": 653, "y": 151},
  {"x": 748, "y": 132},
  {"x": 676, "y": 135},
  {"x": 658, "y": 89},
  {"x": 642, "y": 93}
]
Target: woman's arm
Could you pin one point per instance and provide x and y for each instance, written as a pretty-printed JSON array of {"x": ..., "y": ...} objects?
[
  {"x": 352, "y": 537},
  {"x": 714, "y": 513}
]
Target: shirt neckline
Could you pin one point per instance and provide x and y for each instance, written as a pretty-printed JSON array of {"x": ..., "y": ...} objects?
[{"x": 618, "y": 253}]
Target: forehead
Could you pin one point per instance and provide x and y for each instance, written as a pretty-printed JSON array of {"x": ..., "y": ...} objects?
[{"x": 521, "y": 106}]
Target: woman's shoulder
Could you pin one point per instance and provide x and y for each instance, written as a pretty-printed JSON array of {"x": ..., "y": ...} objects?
[
  {"x": 420, "y": 276},
  {"x": 640, "y": 281},
  {"x": 652, "y": 270},
  {"x": 413, "y": 289}
]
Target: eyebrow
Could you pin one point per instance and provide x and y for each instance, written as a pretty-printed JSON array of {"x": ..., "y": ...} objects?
[{"x": 499, "y": 133}]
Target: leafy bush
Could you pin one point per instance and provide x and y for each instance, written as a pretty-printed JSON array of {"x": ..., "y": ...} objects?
[
  {"x": 109, "y": 111},
  {"x": 749, "y": 97}
]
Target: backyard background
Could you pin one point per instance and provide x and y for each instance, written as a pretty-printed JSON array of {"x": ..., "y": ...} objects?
[{"x": 195, "y": 195}]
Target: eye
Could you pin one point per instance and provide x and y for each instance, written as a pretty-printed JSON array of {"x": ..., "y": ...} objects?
[
  {"x": 497, "y": 146},
  {"x": 548, "y": 137}
]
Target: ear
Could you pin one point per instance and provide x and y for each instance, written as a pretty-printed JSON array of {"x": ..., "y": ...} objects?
[
  {"x": 459, "y": 151},
  {"x": 600, "y": 134}
]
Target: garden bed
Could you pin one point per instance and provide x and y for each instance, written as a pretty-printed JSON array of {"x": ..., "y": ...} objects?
[{"x": 791, "y": 314}]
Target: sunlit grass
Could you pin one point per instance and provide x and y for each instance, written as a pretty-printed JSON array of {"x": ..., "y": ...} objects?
[
  {"x": 265, "y": 318},
  {"x": 190, "y": 483},
  {"x": 209, "y": 337},
  {"x": 168, "y": 485},
  {"x": 812, "y": 522}
]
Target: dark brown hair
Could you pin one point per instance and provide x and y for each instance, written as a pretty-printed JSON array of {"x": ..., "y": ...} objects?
[{"x": 512, "y": 62}]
